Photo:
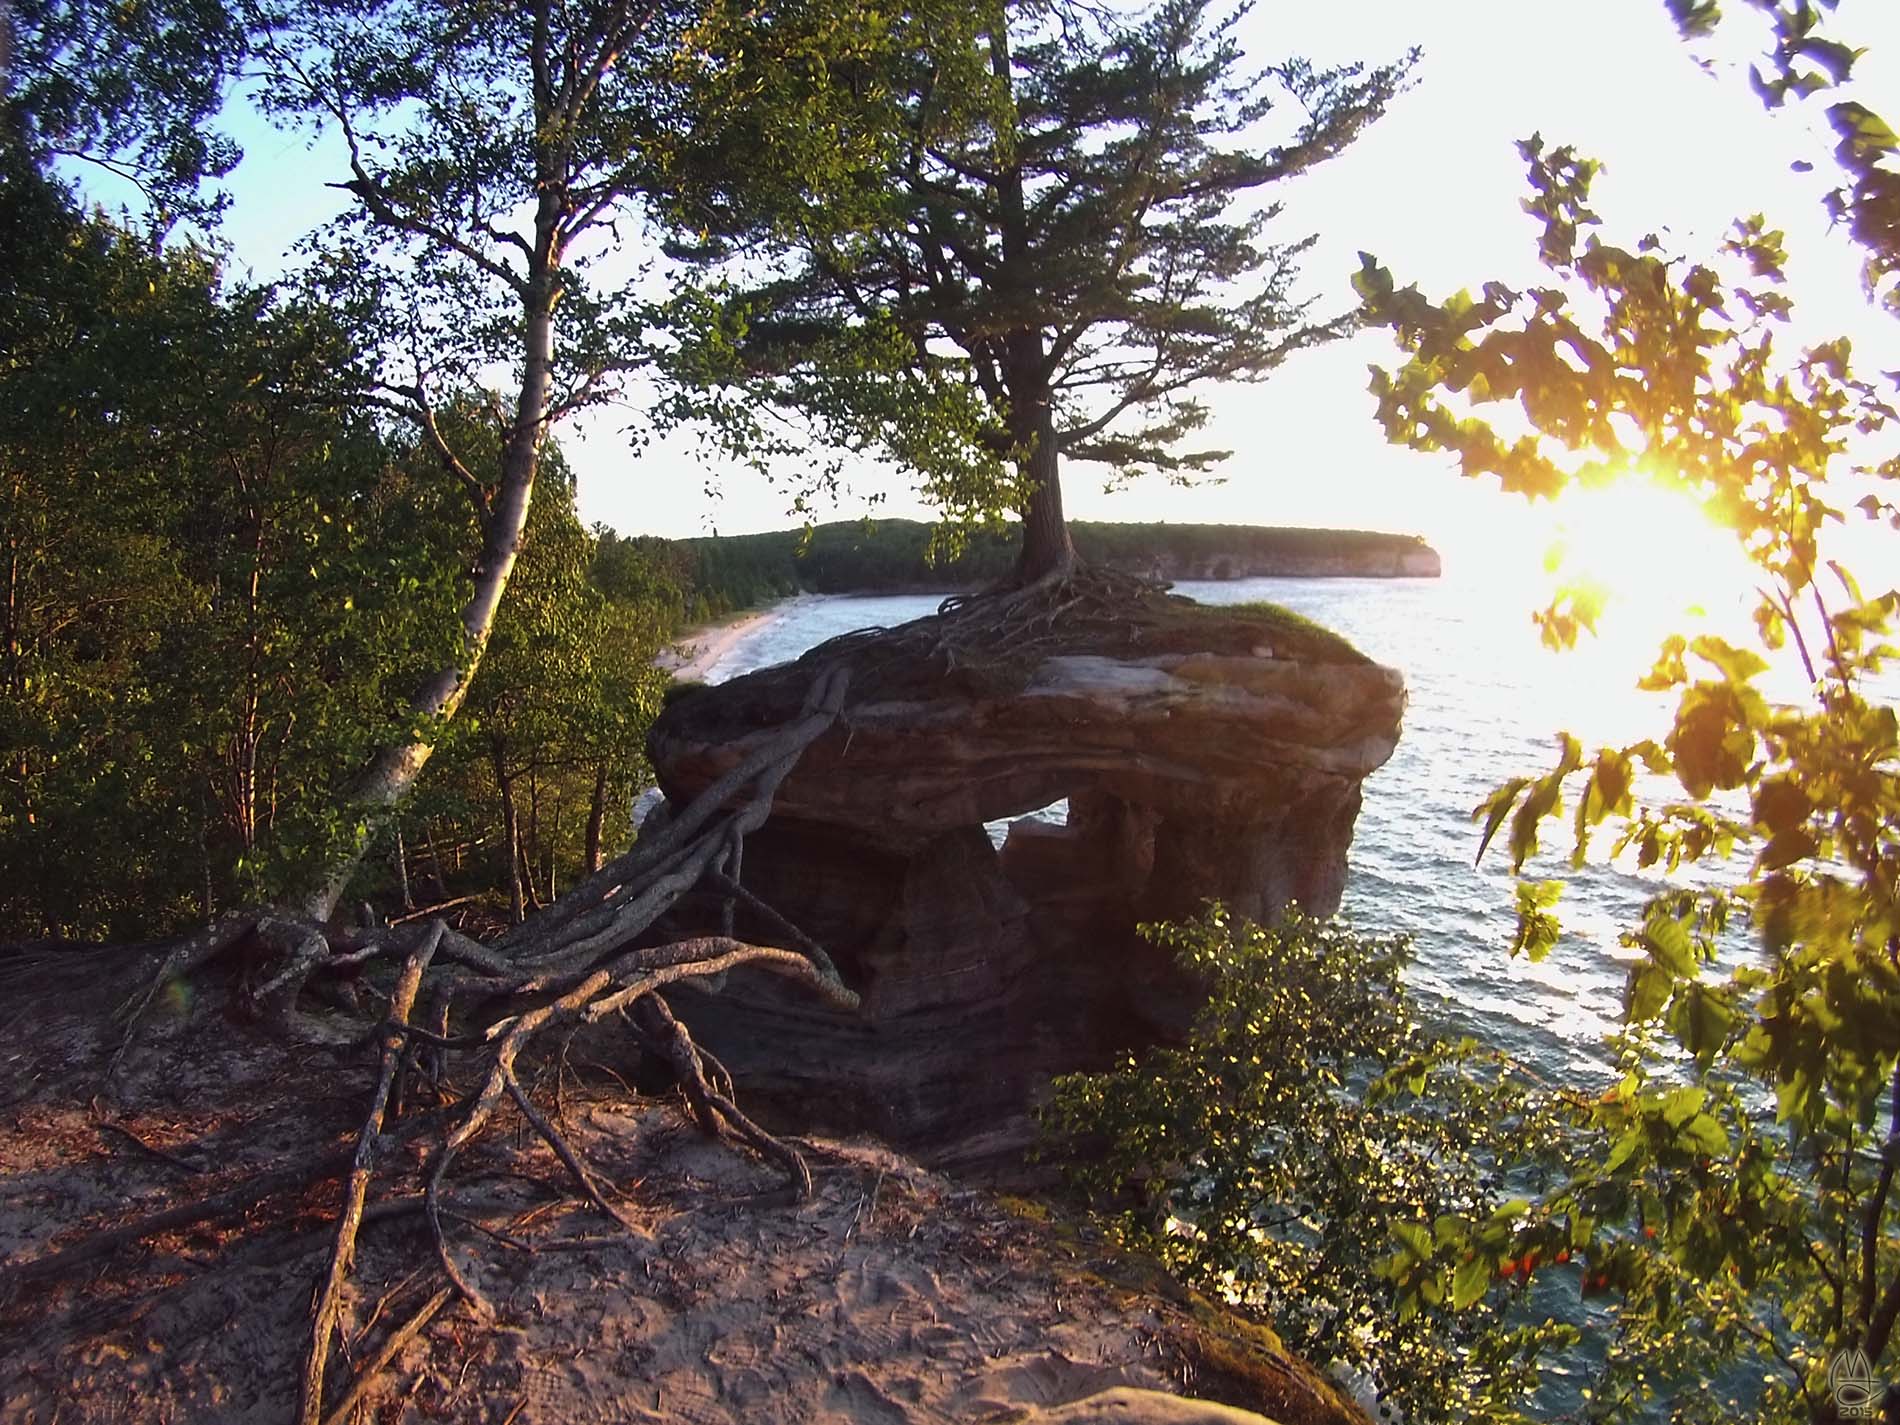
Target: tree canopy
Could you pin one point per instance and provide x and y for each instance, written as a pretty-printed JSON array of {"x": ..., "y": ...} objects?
[
  {"x": 132, "y": 89},
  {"x": 1050, "y": 255},
  {"x": 222, "y": 579}
]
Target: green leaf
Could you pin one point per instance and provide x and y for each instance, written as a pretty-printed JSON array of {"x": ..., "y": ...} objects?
[
  {"x": 1471, "y": 1281},
  {"x": 1537, "y": 930},
  {"x": 1785, "y": 848},
  {"x": 1679, "y": 1105},
  {"x": 1737, "y": 665},
  {"x": 1704, "y": 1136},
  {"x": 1833, "y": 56},
  {"x": 1646, "y": 993},
  {"x": 1625, "y": 1147},
  {"x": 1669, "y": 943},
  {"x": 1494, "y": 809},
  {"x": 1781, "y": 805},
  {"x": 1700, "y": 1020},
  {"x": 1417, "y": 1240},
  {"x": 1861, "y": 127}
]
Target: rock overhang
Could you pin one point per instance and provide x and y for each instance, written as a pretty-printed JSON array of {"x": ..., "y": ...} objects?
[
  {"x": 1171, "y": 730},
  {"x": 1201, "y": 759}
]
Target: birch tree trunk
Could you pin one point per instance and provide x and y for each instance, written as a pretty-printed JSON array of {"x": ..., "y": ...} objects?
[
  {"x": 420, "y": 174},
  {"x": 393, "y": 771}
]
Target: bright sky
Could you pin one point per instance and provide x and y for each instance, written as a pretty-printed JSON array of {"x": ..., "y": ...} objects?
[{"x": 1432, "y": 190}]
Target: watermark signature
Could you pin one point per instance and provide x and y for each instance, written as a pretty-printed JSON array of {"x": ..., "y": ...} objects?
[{"x": 1856, "y": 1390}]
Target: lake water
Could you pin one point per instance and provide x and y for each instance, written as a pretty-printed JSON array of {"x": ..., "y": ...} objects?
[{"x": 1485, "y": 703}]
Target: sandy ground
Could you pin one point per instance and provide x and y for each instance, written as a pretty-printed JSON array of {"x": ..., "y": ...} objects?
[
  {"x": 892, "y": 1296},
  {"x": 693, "y": 656}
]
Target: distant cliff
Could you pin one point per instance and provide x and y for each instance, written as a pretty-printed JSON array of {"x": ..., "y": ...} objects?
[
  {"x": 713, "y": 576},
  {"x": 1212, "y": 551}
]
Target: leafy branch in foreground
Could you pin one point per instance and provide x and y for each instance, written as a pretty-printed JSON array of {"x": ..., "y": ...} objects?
[
  {"x": 1738, "y": 1208},
  {"x": 1308, "y": 1117}
]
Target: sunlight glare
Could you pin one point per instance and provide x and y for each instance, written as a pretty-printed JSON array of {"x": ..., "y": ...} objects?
[
  {"x": 1648, "y": 549},
  {"x": 1645, "y": 560}
]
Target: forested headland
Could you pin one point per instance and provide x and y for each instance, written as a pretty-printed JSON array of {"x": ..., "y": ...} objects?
[{"x": 712, "y": 576}]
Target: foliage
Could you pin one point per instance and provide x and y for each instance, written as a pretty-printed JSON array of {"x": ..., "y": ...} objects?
[
  {"x": 219, "y": 585},
  {"x": 491, "y": 150},
  {"x": 1809, "y": 65},
  {"x": 131, "y": 88},
  {"x": 557, "y": 717},
  {"x": 723, "y": 573},
  {"x": 1737, "y": 1203},
  {"x": 1043, "y": 260},
  {"x": 495, "y": 152},
  {"x": 187, "y": 522},
  {"x": 1308, "y": 1116}
]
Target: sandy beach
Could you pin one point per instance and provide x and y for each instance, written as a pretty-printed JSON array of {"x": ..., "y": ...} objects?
[{"x": 696, "y": 651}]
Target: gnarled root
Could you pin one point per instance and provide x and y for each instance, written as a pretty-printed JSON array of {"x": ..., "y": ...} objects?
[{"x": 576, "y": 963}]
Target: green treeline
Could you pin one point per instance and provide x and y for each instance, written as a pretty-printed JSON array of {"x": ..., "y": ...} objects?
[
  {"x": 715, "y": 576},
  {"x": 219, "y": 584}
]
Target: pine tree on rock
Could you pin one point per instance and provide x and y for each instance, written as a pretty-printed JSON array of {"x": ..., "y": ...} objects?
[{"x": 1056, "y": 237}]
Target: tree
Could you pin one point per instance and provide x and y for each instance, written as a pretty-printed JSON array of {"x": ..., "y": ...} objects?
[
  {"x": 188, "y": 522},
  {"x": 492, "y": 149},
  {"x": 561, "y": 705},
  {"x": 130, "y": 89},
  {"x": 1736, "y": 1200},
  {"x": 1047, "y": 257}
]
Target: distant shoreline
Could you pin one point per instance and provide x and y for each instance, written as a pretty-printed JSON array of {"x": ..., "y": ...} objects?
[
  {"x": 692, "y": 655},
  {"x": 905, "y": 556}
]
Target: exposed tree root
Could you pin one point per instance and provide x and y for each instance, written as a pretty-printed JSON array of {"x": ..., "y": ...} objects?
[
  {"x": 385, "y": 1353},
  {"x": 998, "y": 635},
  {"x": 459, "y": 1015},
  {"x": 362, "y": 1165}
]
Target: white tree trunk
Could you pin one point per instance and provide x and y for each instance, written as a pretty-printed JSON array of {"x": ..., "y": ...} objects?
[{"x": 394, "y": 770}]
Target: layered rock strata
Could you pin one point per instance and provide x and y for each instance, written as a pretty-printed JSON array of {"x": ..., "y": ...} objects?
[{"x": 1202, "y": 753}]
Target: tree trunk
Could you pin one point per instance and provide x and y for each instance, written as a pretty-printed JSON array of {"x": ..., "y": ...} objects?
[
  {"x": 208, "y": 900},
  {"x": 435, "y": 862},
  {"x": 550, "y": 847},
  {"x": 524, "y": 876},
  {"x": 394, "y": 770},
  {"x": 596, "y": 820},
  {"x": 531, "y": 837},
  {"x": 510, "y": 840},
  {"x": 401, "y": 858},
  {"x": 1047, "y": 550}
]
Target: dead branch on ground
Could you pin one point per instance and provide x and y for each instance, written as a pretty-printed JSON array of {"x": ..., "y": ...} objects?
[{"x": 580, "y": 961}]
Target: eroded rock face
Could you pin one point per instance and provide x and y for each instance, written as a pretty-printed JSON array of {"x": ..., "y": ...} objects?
[{"x": 1231, "y": 769}]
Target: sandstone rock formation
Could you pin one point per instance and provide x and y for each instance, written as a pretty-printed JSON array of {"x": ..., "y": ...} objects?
[{"x": 1203, "y": 753}]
